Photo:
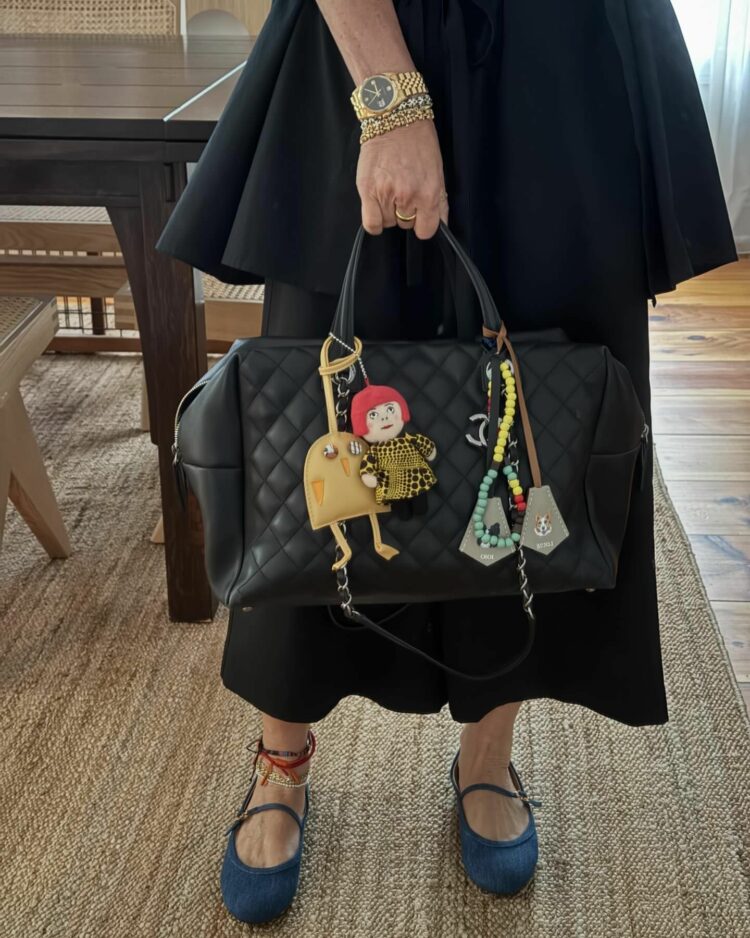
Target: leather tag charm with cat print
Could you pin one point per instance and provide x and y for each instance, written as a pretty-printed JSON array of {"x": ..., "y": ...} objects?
[{"x": 543, "y": 526}]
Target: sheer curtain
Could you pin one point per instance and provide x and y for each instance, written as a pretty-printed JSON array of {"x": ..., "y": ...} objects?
[{"x": 717, "y": 33}]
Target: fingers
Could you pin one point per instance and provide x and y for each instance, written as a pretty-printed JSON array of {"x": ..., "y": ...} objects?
[
  {"x": 372, "y": 214},
  {"x": 426, "y": 204},
  {"x": 406, "y": 207},
  {"x": 444, "y": 207},
  {"x": 379, "y": 212},
  {"x": 428, "y": 208}
]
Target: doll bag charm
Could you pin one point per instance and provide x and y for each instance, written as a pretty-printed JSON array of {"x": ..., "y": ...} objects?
[
  {"x": 351, "y": 475},
  {"x": 333, "y": 488},
  {"x": 397, "y": 464}
]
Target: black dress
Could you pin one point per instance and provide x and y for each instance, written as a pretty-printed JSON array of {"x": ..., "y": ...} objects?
[{"x": 582, "y": 181}]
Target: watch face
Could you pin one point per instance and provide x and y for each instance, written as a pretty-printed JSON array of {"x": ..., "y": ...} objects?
[{"x": 377, "y": 93}]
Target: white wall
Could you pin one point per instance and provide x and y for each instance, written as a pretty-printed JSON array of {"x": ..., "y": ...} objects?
[{"x": 215, "y": 23}]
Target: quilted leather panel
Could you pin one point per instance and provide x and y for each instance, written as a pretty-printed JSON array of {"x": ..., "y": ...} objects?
[{"x": 568, "y": 387}]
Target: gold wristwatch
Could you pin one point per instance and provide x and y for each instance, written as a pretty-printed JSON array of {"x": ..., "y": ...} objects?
[{"x": 380, "y": 94}]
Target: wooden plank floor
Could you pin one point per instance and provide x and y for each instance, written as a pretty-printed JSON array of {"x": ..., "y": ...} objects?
[{"x": 700, "y": 376}]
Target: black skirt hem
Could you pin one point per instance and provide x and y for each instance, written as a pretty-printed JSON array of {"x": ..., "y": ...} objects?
[{"x": 459, "y": 714}]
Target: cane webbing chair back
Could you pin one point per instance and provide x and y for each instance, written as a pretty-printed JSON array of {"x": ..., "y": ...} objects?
[{"x": 96, "y": 17}]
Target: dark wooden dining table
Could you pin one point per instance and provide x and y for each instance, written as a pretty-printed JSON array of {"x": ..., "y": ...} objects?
[{"x": 115, "y": 122}]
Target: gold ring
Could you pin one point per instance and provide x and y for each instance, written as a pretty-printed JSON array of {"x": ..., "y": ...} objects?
[{"x": 405, "y": 217}]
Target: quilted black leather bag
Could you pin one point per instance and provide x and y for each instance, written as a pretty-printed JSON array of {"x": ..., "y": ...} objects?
[{"x": 243, "y": 432}]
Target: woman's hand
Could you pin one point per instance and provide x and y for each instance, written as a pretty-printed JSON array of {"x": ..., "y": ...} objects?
[{"x": 403, "y": 169}]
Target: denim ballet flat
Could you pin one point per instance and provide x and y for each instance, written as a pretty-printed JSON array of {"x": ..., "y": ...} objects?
[
  {"x": 257, "y": 894},
  {"x": 500, "y": 866}
]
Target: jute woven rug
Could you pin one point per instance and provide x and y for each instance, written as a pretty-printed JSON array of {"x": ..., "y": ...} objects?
[{"x": 123, "y": 755}]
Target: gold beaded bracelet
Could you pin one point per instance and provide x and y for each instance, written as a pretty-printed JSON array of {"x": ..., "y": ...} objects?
[{"x": 374, "y": 126}]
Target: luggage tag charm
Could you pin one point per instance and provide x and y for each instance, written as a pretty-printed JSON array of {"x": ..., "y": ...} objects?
[
  {"x": 486, "y": 554},
  {"x": 543, "y": 526}
]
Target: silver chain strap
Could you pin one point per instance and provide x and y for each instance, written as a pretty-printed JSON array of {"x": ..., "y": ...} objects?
[
  {"x": 342, "y": 383},
  {"x": 527, "y": 597},
  {"x": 523, "y": 583}
]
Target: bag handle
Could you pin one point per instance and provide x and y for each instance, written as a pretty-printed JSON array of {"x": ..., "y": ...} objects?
[
  {"x": 342, "y": 328},
  {"x": 344, "y": 318}
]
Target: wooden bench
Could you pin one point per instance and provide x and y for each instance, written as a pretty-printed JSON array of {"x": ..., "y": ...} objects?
[
  {"x": 26, "y": 327},
  {"x": 62, "y": 251}
]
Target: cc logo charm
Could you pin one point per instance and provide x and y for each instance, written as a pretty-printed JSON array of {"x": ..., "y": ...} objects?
[{"x": 481, "y": 439}]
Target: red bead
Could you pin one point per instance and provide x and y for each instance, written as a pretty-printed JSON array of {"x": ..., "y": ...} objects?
[
  {"x": 521, "y": 506},
  {"x": 518, "y": 499}
]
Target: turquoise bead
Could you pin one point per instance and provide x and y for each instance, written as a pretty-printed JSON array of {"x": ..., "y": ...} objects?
[
  {"x": 477, "y": 518},
  {"x": 508, "y": 542},
  {"x": 492, "y": 473},
  {"x": 516, "y": 536},
  {"x": 507, "y": 470},
  {"x": 493, "y": 540},
  {"x": 486, "y": 539},
  {"x": 512, "y": 475}
]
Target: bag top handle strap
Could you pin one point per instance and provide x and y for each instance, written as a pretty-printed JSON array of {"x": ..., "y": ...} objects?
[
  {"x": 344, "y": 319},
  {"x": 493, "y": 326}
]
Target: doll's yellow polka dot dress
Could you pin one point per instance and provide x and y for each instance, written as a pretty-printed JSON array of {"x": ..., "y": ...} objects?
[{"x": 400, "y": 466}]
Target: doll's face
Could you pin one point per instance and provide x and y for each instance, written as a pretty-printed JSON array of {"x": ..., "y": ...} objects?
[{"x": 384, "y": 422}]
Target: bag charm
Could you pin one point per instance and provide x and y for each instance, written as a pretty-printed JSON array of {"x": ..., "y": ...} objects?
[
  {"x": 489, "y": 538},
  {"x": 396, "y": 466},
  {"x": 535, "y": 519},
  {"x": 333, "y": 489},
  {"x": 543, "y": 525}
]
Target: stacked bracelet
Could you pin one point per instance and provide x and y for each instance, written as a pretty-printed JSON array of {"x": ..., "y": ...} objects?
[{"x": 414, "y": 108}]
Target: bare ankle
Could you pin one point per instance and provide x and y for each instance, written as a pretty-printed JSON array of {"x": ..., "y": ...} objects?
[{"x": 483, "y": 747}]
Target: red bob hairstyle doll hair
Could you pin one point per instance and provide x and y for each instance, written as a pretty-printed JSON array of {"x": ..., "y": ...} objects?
[{"x": 372, "y": 396}]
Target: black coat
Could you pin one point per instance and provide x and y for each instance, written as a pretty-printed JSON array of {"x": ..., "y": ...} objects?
[
  {"x": 281, "y": 163},
  {"x": 582, "y": 180}
]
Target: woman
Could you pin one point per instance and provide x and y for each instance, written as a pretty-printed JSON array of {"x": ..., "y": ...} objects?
[{"x": 572, "y": 149}]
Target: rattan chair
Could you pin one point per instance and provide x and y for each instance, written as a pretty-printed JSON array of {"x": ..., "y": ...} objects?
[
  {"x": 101, "y": 17},
  {"x": 26, "y": 327},
  {"x": 251, "y": 13}
]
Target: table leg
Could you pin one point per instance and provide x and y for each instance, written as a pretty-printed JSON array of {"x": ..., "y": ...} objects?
[{"x": 173, "y": 341}]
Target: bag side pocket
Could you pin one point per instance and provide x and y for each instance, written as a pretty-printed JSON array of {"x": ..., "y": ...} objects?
[
  {"x": 219, "y": 493},
  {"x": 608, "y": 491}
]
